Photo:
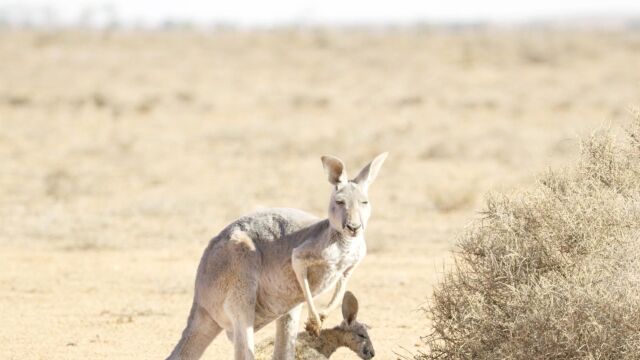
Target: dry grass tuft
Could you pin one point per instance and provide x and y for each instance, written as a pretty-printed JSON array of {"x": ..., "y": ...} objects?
[{"x": 552, "y": 273}]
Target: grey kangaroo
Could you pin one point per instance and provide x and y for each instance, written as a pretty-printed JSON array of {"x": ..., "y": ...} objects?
[{"x": 265, "y": 265}]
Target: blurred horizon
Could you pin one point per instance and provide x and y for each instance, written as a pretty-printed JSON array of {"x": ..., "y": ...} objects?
[{"x": 617, "y": 14}]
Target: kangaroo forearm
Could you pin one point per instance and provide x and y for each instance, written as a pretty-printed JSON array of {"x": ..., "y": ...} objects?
[
  {"x": 309, "y": 297},
  {"x": 301, "y": 275}
]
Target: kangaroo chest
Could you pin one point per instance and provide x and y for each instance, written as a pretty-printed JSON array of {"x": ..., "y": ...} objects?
[
  {"x": 325, "y": 270},
  {"x": 279, "y": 290}
]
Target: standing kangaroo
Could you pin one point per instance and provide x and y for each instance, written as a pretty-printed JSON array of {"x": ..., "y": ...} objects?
[{"x": 263, "y": 266}]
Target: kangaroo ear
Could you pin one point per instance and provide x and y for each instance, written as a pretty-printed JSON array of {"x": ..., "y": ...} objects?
[
  {"x": 369, "y": 172},
  {"x": 349, "y": 307},
  {"x": 335, "y": 169}
]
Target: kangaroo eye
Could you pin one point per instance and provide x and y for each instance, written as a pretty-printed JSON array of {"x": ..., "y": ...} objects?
[
  {"x": 364, "y": 202},
  {"x": 362, "y": 336},
  {"x": 340, "y": 202}
]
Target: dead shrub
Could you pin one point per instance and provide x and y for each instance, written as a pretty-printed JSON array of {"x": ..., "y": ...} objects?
[{"x": 550, "y": 273}]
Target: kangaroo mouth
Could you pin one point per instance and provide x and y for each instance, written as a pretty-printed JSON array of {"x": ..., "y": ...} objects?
[{"x": 351, "y": 231}]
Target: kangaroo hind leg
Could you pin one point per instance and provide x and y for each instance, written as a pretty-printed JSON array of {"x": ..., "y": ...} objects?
[
  {"x": 200, "y": 331},
  {"x": 286, "y": 334},
  {"x": 240, "y": 308}
]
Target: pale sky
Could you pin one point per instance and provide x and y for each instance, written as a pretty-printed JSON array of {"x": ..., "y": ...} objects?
[{"x": 252, "y": 13}]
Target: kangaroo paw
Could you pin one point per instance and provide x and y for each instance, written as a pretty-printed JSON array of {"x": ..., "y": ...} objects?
[{"x": 312, "y": 327}]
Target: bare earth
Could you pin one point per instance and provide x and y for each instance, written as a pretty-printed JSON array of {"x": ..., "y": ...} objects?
[{"x": 122, "y": 154}]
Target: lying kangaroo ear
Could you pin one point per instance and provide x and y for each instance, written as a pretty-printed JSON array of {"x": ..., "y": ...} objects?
[
  {"x": 335, "y": 169},
  {"x": 349, "y": 307},
  {"x": 369, "y": 172}
]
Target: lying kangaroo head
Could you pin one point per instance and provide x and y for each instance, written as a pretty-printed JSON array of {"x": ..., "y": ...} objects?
[
  {"x": 355, "y": 335},
  {"x": 349, "y": 208}
]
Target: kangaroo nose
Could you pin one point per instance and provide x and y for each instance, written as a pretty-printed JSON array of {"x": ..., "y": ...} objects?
[
  {"x": 370, "y": 353},
  {"x": 353, "y": 227}
]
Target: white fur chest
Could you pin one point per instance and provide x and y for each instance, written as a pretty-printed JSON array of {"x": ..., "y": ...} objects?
[{"x": 324, "y": 270}]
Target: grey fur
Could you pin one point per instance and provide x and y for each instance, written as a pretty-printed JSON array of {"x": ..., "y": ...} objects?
[{"x": 264, "y": 265}]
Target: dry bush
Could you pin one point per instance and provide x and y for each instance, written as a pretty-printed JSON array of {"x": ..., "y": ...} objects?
[{"x": 551, "y": 273}]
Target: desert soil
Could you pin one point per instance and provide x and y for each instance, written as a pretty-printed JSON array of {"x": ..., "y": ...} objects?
[{"x": 123, "y": 153}]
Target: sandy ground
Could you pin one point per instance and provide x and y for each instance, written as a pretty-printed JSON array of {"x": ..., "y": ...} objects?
[{"x": 122, "y": 154}]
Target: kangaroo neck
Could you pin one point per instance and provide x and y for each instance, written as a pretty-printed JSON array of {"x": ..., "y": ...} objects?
[
  {"x": 337, "y": 237},
  {"x": 325, "y": 235}
]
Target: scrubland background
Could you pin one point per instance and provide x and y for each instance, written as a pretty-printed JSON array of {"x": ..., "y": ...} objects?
[{"x": 122, "y": 153}]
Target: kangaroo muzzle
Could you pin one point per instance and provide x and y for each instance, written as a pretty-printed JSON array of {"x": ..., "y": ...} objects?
[{"x": 353, "y": 228}]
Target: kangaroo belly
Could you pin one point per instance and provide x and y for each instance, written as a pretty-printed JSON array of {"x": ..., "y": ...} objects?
[
  {"x": 323, "y": 277},
  {"x": 279, "y": 292}
]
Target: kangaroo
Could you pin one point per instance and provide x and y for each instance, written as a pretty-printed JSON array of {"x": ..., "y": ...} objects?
[
  {"x": 265, "y": 265},
  {"x": 349, "y": 333}
]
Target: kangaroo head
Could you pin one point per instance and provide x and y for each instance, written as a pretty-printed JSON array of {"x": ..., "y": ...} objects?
[
  {"x": 354, "y": 334},
  {"x": 349, "y": 208}
]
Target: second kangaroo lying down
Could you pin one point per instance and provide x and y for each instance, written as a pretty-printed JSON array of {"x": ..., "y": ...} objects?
[{"x": 350, "y": 333}]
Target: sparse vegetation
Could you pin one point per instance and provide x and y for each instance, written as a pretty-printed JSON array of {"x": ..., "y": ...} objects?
[
  {"x": 550, "y": 273},
  {"x": 123, "y": 152}
]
